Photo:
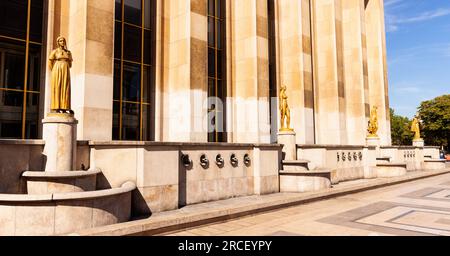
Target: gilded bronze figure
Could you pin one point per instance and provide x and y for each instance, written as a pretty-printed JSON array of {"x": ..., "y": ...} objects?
[
  {"x": 60, "y": 62},
  {"x": 415, "y": 127},
  {"x": 373, "y": 123},
  {"x": 285, "y": 111}
]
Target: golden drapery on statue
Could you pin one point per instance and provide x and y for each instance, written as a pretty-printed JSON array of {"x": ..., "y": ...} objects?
[
  {"x": 373, "y": 123},
  {"x": 60, "y": 62},
  {"x": 415, "y": 127},
  {"x": 285, "y": 112}
]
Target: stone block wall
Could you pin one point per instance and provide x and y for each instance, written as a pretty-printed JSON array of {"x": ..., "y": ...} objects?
[{"x": 165, "y": 183}]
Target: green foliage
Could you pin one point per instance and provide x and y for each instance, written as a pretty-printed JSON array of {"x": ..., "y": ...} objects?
[
  {"x": 435, "y": 115},
  {"x": 400, "y": 130}
]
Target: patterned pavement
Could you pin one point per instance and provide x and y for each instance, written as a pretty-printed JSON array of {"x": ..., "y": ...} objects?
[{"x": 418, "y": 208}]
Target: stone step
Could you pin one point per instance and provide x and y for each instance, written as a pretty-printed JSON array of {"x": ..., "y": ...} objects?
[
  {"x": 434, "y": 164},
  {"x": 295, "y": 165},
  {"x": 388, "y": 170},
  {"x": 305, "y": 181},
  {"x": 385, "y": 159}
]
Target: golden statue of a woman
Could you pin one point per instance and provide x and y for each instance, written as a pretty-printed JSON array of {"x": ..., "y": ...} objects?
[
  {"x": 285, "y": 111},
  {"x": 373, "y": 123},
  {"x": 60, "y": 62},
  {"x": 415, "y": 127}
]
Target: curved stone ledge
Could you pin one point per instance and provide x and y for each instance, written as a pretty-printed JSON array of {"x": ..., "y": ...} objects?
[
  {"x": 127, "y": 187},
  {"x": 58, "y": 214},
  {"x": 17, "y": 198},
  {"x": 61, "y": 182},
  {"x": 59, "y": 175}
]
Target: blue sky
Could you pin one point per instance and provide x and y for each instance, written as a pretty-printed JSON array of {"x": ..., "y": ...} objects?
[{"x": 418, "y": 49}]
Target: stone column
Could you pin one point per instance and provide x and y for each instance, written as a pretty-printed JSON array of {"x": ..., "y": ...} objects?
[
  {"x": 199, "y": 70},
  {"x": 59, "y": 134},
  {"x": 296, "y": 64},
  {"x": 326, "y": 73},
  {"x": 88, "y": 26},
  {"x": 249, "y": 92},
  {"x": 376, "y": 59},
  {"x": 354, "y": 71},
  {"x": 176, "y": 102}
]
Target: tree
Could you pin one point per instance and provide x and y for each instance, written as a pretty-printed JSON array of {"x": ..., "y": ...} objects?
[
  {"x": 400, "y": 130},
  {"x": 435, "y": 115}
]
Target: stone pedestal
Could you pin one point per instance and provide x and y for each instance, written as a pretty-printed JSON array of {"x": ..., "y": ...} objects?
[
  {"x": 420, "y": 143},
  {"x": 287, "y": 138},
  {"x": 59, "y": 134},
  {"x": 373, "y": 142}
]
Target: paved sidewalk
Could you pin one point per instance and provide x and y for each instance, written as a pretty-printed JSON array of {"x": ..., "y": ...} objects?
[{"x": 201, "y": 215}]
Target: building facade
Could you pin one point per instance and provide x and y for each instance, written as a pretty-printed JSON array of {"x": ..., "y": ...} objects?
[{"x": 198, "y": 70}]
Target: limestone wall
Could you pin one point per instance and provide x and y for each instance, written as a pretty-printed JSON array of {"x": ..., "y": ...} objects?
[
  {"x": 18, "y": 156},
  {"x": 330, "y": 54},
  {"x": 345, "y": 162},
  {"x": 165, "y": 183}
]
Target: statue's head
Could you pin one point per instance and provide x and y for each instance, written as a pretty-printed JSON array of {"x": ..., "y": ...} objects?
[
  {"x": 283, "y": 88},
  {"x": 61, "y": 42}
]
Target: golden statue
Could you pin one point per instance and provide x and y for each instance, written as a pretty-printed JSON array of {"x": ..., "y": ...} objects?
[
  {"x": 60, "y": 62},
  {"x": 285, "y": 111},
  {"x": 415, "y": 127},
  {"x": 373, "y": 123}
]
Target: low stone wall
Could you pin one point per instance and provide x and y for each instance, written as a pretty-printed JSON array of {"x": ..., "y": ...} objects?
[
  {"x": 431, "y": 152},
  {"x": 434, "y": 164},
  {"x": 412, "y": 156},
  {"x": 56, "y": 214},
  {"x": 165, "y": 182},
  {"x": 18, "y": 156},
  {"x": 346, "y": 162}
]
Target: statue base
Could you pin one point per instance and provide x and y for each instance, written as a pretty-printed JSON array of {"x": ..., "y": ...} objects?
[
  {"x": 287, "y": 138},
  {"x": 420, "y": 143},
  {"x": 60, "y": 136},
  {"x": 373, "y": 141}
]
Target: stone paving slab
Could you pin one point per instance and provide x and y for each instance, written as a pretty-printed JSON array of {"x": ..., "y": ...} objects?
[{"x": 220, "y": 211}]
